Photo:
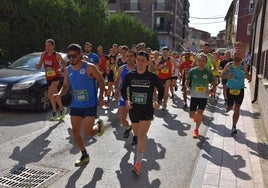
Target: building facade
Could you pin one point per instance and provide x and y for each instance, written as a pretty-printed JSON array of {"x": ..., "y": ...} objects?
[
  {"x": 259, "y": 57},
  {"x": 169, "y": 18}
]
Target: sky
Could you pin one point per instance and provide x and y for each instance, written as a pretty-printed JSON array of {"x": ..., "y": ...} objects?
[{"x": 204, "y": 14}]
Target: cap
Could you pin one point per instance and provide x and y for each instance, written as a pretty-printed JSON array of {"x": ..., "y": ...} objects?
[{"x": 74, "y": 47}]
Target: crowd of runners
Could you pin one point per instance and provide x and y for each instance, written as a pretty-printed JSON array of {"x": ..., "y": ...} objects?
[{"x": 141, "y": 80}]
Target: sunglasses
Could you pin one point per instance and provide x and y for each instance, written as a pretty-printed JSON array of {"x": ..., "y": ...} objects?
[{"x": 69, "y": 56}]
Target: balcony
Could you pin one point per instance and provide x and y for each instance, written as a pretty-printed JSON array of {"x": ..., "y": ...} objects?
[
  {"x": 131, "y": 6},
  {"x": 163, "y": 7}
]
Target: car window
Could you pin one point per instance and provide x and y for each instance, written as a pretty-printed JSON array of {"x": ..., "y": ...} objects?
[{"x": 27, "y": 62}]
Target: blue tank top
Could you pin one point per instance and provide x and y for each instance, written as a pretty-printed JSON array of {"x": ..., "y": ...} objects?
[
  {"x": 84, "y": 91},
  {"x": 124, "y": 72},
  {"x": 237, "y": 82}
]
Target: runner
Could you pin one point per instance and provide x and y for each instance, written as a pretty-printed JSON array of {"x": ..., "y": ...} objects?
[
  {"x": 185, "y": 67},
  {"x": 51, "y": 61},
  {"x": 164, "y": 66},
  {"x": 141, "y": 84},
  {"x": 122, "y": 111},
  {"x": 216, "y": 73},
  {"x": 92, "y": 57},
  {"x": 199, "y": 77},
  {"x": 81, "y": 76},
  {"x": 227, "y": 59},
  {"x": 235, "y": 73},
  {"x": 175, "y": 74}
]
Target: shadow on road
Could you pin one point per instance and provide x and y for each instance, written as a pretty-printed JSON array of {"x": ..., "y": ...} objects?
[
  {"x": 34, "y": 151},
  {"x": 222, "y": 158},
  {"x": 154, "y": 151}
]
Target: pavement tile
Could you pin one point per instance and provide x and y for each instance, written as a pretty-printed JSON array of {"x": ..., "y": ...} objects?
[
  {"x": 211, "y": 179},
  {"x": 227, "y": 175},
  {"x": 213, "y": 168},
  {"x": 229, "y": 184}
]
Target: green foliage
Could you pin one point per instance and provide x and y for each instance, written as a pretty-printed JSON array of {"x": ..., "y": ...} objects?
[{"x": 26, "y": 24}]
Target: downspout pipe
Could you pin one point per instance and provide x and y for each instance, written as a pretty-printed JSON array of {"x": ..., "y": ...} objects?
[{"x": 264, "y": 2}]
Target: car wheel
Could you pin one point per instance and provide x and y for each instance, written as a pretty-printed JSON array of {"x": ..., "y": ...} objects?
[{"x": 43, "y": 103}]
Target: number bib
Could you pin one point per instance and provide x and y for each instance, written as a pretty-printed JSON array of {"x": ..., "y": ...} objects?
[
  {"x": 81, "y": 95},
  {"x": 234, "y": 91},
  {"x": 50, "y": 72},
  {"x": 112, "y": 67},
  {"x": 164, "y": 70},
  {"x": 200, "y": 89},
  {"x": 139, "y": 98}
]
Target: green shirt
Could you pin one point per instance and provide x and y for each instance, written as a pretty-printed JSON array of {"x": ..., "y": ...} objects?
[{"x": 199, "y": 82}]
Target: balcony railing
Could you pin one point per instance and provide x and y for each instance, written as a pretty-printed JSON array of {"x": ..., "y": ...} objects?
[
  {"x": 131, "y": 6},
  {"x": 162, "y": 7}
]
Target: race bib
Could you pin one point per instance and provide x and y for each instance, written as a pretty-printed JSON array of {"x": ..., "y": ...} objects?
[
  {"x": 200, "y": 89},
  {"x": 81, "y": 95},
  {"x": 234, "y": 91},
  {"x": 164, "y": 70},
  {"x": 50, "y": 72},
  {"x": 139, "y": 98},
  {"x": 112, "y": 67}
]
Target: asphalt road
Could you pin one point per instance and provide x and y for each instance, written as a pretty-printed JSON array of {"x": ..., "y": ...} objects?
[{"x": 29, "y": 139}]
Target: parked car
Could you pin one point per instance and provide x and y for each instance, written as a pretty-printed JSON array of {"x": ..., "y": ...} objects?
[{"x": 22, "y": 86}]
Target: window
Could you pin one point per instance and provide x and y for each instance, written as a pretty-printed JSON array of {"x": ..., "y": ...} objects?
[
  {"x": 251, "y": 6},
  {"x": 111, "y": 1},
  {"x": 133, "y": 4},
  {"x": 160, "y": 23},
  {"x": 160, "y": 5},
  {"x": 249, "y": 29}
]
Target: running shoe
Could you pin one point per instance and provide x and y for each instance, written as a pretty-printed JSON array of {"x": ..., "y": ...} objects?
[
  {"x": 101, "y": 127},
  {"x": 164, "y": 107},
  {"x": 134, "y": 141},
  {"x": 137, "y": 168},
  {"x": 234, "y": 131},
  {"x": 196, "y": 133},
  {"x": 54, "y": 117},
  {"x": 82, "y": 161},
  {"x": 63, "y": 113},
  {"x": 127, "y": 131},
  {"x": 176, "y": 88}
]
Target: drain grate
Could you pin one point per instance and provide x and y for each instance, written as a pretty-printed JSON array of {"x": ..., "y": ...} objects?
[{"x": 25, "y": 177}]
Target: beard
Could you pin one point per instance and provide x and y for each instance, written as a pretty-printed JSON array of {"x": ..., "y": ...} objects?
[{"x": 237, "y": 59}]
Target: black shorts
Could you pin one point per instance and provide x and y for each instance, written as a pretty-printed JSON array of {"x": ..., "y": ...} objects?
[
  {"x": 237, "y": 99},
  {"x": 84, "y": 112},
  {"x": 223, "y": 81},
  {"x": 137, "y": 114},
  {"x": 163, "y": 81},
  {"x": 198, "y": 103},
  {"x": 49, "y": 82},
  {"x": 111, "y": 76}
]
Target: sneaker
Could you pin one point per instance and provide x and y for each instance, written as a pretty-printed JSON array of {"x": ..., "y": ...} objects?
[
  {"x": 134, "y": 141},
  {"x": 172, "y": 96},
  {"x": 63, "y": 112},
  {"x": 196, "y": 133},
  {"x": 126, "y": 133},
  {"x": 54, "y": 117},
  {"x": 82, "y": 161},
  {"x": 234, "y": 131},
  {"x": 176, "y": 88},
  {"x": 137, "y": 168},
  {"x": 100, "y": 124},
  {"x": 164, "y": 107}
]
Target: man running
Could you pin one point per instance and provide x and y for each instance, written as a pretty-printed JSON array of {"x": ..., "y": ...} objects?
[
  {"x": 235, "y": 72},
  {"x": 200, "y": 77},
  {"x": 81, "y": 76},
  {"x": 51, "y": 61}
]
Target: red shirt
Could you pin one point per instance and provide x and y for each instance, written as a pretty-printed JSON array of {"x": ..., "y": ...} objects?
[
  {"x": 51, "y": 65},
  {"x": 166, "y": 71},
  {"x": 103, "y": 63},
  {"x": 185, "y": 67}
]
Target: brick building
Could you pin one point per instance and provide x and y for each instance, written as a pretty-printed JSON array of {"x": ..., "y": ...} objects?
[{"x": 168, "y": 17}]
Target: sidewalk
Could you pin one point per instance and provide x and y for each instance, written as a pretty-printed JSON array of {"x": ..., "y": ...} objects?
[{"x": 226, "y": 161}]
